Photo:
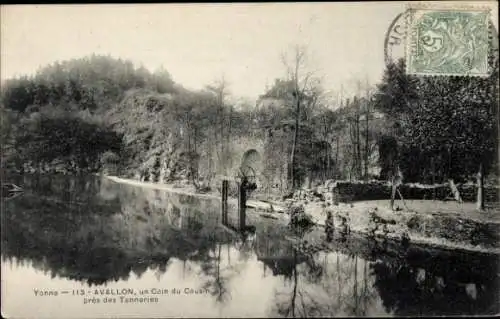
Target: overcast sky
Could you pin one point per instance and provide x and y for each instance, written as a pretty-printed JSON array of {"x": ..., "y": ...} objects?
[{"x": 199, "y": 43}]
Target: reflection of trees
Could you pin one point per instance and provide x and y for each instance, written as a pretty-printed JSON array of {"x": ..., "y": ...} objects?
[
  {"x": 421, "y": 282},
  {"x": 216, "y": 282},
  {"x": 296, "y": 302},
  {"x": 346, "y": 277},
  {"x": 99, "y": 240},
  {"x": 60, "y": 188},
  {"x": 328, "y": 284},
  {"x": 75, "y": 242},
  {"x": 287, "y": 308},
  {"x": 363, "y": 294},
  {"x": 219, "y": 269},
  {"x": 95, "y": 240}
]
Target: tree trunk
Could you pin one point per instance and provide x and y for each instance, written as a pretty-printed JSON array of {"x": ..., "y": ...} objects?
[
  {"x": 339, "y": 289},
  {"x": 393, "y": 193},
  {"x": 355, "y": 292},
  {"x": 228, "y": 136},
  {"x": 433, "y": 168},
  {"x": 222, "y": 155},
  {"x": 295, "y": 282},
  {"x": 294, "y": 145},
  {"x": 309, "y": 182},
  {"x": 366, "y": 144},
  {"x": 358, "y": 148},
  {"x": 195, "y": 142},
  {"x": 480, "y": 188},
  {"x": 210, "y": 167},
  {"x": 337, "y": 154},
  {"x": 454, "y": 189},
  {"x": 327, "y": 173},
  {"x": 352, "y": 133},
  {"x": 396, "y": 181}
]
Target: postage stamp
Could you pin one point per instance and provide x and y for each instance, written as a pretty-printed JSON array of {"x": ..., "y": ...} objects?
[{"x": 448, "y": 41}]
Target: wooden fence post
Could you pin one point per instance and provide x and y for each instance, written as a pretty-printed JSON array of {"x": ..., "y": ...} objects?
[
  {"x": 224, "y": 200},
  {"x": 242, "y": 204}
]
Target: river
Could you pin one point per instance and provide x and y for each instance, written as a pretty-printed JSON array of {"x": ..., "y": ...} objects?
[{"x": 88, "y": 247}]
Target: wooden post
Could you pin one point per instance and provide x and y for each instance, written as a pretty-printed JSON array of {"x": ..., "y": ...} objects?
[
  {"x": 224, "y": 200},
  {"x": 480, "y": 188},
  {"x": 242, "y": 204}
]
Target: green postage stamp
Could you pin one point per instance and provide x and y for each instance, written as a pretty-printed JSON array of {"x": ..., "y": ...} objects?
[{"x": 448, "y": 41}]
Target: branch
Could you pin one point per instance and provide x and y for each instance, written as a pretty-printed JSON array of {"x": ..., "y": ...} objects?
[
  {"x": 306, "y": 79},
  {"x": 288, "y": 69}
]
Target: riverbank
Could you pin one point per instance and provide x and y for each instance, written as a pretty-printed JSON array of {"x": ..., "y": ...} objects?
[
  {"x": 434, "y": 223},
  {"x": 188, "y": 189},
  {"x": 438, "y": 224}
]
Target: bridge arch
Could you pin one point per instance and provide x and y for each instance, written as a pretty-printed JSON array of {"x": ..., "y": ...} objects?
[{"x": 251, "y": 162}]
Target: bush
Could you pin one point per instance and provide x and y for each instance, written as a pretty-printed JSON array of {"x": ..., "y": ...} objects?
[
  {"x": 299, "y": 218},
  {"x": 110, "y": 157}
]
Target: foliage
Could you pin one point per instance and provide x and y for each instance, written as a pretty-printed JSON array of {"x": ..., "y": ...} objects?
[
  {"x": 110, "y": 157},
  {"x": 299, "y": 220},
  {"x": 78, "y": 112},
  {"x": 48, "y": 136},
  {"x": 94, "y": 83},
  {"x": 445, "y": 126}
]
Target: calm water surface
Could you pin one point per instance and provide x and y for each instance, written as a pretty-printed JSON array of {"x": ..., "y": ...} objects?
[{"x": 97, "y": 244}]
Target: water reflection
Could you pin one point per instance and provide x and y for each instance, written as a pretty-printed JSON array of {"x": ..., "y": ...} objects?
[{"x": 94, "y": 232}]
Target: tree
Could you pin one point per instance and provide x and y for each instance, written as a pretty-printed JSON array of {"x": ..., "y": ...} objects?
[
  {"x": 162, "y": 81},
  {"x": 104, "y": 88},
  {"x": 50, "y": 136},
  {"x": 301, "y": 81},
  {"x": 219, "y": 91},
  {"x": 354, "y": 120},
  {"x": 330, "y": 124},
  {"x": 367, "y": 114},
  {"x": 447, "y": 124}
]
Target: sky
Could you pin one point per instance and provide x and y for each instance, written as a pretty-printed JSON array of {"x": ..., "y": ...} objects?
[{"x": 200, "y": 43}]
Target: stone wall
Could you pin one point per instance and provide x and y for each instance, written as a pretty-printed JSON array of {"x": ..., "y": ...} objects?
[
  {"x": 346, "y": 191},
  {"x": 469, "y": 193}
]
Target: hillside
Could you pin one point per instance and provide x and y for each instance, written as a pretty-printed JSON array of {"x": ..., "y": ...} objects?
[
  {"x": 98, "y": 113},
  {"x": 61, "y": 115},
  {"x": 101, "y": 114}
]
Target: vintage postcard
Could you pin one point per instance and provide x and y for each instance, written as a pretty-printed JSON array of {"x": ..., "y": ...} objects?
[{"x": 250, "y": 160}]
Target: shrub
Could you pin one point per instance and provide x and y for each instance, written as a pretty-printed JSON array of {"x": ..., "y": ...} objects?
[{"x": 299, "y": 218}]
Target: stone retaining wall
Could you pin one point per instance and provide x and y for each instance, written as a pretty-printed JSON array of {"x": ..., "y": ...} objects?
[{"x": 456, "y": 230}]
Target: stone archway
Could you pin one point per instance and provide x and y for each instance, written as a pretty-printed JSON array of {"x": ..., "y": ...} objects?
[{"x": 251, "y": 163}]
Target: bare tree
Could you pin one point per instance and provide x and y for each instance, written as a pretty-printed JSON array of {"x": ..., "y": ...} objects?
[
  {"x": 359, "y": 117},
  {"x": 220, "y": 91},
  {"x": 354, "y": 119},
  {"x": 295, "y": 65},
  {"x": 368, "y": 101}
]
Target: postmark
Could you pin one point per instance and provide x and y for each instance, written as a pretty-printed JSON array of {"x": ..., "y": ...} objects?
[
  {"x": 448, "y": 41},
  {"x": 395, "y": 39}
]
